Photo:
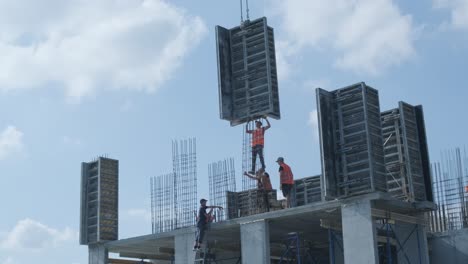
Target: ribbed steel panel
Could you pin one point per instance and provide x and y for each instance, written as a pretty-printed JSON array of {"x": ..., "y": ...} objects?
[
  {"x": 247, "y": 75},
  {"x": 99, "y": 201},
  {"x": 306, "y": 191},
  {"x": 350, "y": 141},
  {"x": 405, "y": 145}
]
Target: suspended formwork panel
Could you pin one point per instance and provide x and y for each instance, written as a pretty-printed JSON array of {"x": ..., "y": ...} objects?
[
  {"x": 247, "y": 75},
  {"x": 406, "y": 155},
  {"x": 99, "y": 201},
  {"x": 350, "y": 141}
]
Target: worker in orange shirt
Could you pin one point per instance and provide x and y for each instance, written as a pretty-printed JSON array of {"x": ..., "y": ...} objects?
[
  {"x": 258, "y": 141},
  {"x": 286, "y": 180}
]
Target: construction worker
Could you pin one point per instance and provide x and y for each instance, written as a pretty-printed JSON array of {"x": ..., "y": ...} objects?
[
  {"x": 262, "y": 178},
  {"x": 258, "y": 135},
  {"x": 286, "y": 180},
  {"x": 202, "y": 221}
]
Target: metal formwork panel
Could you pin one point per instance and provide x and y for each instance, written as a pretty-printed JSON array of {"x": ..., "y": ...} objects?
[
  {"x": 351, "y": 141},
  {"x": 247, "y": 75},
  {"x": 306, "y": 191},
  {"x": 99, "y": 201},
  {"x": 403, "y": 132}
]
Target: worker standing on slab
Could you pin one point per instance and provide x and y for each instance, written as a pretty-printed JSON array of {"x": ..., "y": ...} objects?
[
  {"x": 262, "y": 178},
  {"x": 286, "y": 180},
  {"x": 258, "y": 141},
  {"x": 202, "y": 222}
]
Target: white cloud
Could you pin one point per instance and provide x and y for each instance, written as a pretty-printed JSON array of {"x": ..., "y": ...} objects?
[
  {"x": 459, "y": 11},
  {"x": 313, "y": 122},
  {"x": 369, "y": 36},
  {"x": 84, "y": 46},
  {"x": 11, "y": 141},
  {"x": 32, "y": 235}
]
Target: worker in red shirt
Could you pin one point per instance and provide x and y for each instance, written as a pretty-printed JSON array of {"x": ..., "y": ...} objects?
[
  {"x": 258, "y": 141},
  {"x": 262, "y": 178},
  {"x": 286, "y": 180}
]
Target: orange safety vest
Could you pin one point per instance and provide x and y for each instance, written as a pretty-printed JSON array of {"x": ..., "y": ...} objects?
[
  {"x": 287, "y": 176},
  {"x": 258, "y": 136}
]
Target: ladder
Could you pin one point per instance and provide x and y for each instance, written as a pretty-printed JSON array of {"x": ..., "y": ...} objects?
[{"x": 205, "y": 256}]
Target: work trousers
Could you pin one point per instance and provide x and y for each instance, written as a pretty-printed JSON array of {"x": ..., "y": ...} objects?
[{"x": 257, "y": 149}]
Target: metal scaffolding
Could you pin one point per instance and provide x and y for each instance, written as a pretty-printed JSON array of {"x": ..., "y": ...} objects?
[
  {"x": 222, "y": 179},
  {"x": 450, "y": 191},
  {"x": 184, "y": 162},
  {"x": 162, "y": 203}
]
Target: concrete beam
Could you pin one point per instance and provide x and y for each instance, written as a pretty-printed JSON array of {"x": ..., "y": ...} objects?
[
  {"x": 184, "y": 248},
  {"x": 98, "y": 254},
  {"x": 255, "y": 242},
  {"x": 359, "y": 234}
]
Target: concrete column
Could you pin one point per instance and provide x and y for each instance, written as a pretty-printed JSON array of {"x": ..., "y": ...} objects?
[
  {"x": 184, "y": 248},
  {"x": 415, "y": 248},
  {"x": 98, "y": 254},
  {"x": 255, "y": 242},
  {"x": 359, "y": 234}
]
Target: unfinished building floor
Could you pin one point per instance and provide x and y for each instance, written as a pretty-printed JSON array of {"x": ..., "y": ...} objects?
[{"x": 362, "y": 229}]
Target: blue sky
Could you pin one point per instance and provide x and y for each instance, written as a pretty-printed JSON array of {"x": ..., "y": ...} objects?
[{"x": 80, "y": 79}]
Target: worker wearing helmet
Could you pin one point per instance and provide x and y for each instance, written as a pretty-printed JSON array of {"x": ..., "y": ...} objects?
[
  {"x": 202, "y": 221},
  {"x": 286, "y": 180}
]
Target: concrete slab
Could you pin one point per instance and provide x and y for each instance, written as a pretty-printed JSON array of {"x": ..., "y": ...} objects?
[{"x": 306, "y": 220}]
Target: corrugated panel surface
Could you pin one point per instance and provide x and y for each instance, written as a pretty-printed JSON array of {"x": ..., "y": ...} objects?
[
  {"x": 247, "y": 75},
  {"x": 99, "y": 201},
  {"x": 306, "y": 191},
  {"x": 403, "y": 153},
  {"x": 351, "y": 141}
]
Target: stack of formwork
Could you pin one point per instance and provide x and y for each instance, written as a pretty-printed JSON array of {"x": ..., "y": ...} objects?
[
  {"x": 406, "y": 156},
  {"x": 306, "y": 191},
  {"x": 251, "y": 202},
  {"x": 351, "y": 141}
]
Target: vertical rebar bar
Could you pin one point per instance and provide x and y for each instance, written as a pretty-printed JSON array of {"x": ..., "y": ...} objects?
[
  {"x": 185, "y": 181},
  {"x": 450, "y": 195},
  {"x": 221, "y": 176}
]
